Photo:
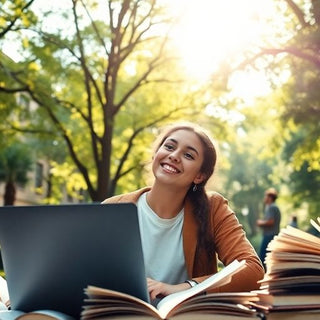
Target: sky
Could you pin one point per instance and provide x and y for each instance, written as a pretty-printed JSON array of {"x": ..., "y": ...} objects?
[{"x": 209, "y": 31}]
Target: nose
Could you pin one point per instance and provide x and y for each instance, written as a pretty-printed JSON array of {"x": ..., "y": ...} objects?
[{"x": 174, "y": 156}]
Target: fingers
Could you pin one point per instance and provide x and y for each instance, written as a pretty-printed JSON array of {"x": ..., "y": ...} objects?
[
  {"x": 159, "y": 289},
  {"x": 155, "y": 288}
]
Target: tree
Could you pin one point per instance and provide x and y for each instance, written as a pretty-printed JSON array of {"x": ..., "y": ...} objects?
[
  {"x": 87, "y": 85},
  {"x": 296, "y": 49},
  {"x": 248, "y": 175},
  {"x": 290, "y": 58},
  {"x": 15, "y": 163},
  {"x": 304, "y": 182},
  {"x": 14, "y": 15}
]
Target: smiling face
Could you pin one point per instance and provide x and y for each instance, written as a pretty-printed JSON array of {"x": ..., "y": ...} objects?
[{"x": 179, "y": 159}]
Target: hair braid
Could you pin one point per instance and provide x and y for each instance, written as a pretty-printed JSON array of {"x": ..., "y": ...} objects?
[{"x": 200, "y": 202}]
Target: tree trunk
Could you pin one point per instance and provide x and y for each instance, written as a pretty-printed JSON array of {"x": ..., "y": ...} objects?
[{"x": 9, "y": 194}]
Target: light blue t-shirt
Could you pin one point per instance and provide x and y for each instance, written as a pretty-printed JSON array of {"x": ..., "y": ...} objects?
[{"x": 162, "y": 244}]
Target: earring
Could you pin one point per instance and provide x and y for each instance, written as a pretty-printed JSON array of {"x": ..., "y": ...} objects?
[{"x": 195, "y": 188}]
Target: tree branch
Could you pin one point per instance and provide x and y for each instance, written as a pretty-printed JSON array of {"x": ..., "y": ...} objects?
[
  {"x": 12, "y": 90},
  {"x": 316, "y": 10},
  {"x": 153, "y": 65},
  {"x": 87, "y": 86},
  {"x": 274, "y": 51},
  {"x": 298, "y": 12},
  {"x": 49, "y": 38},
  {"x": 14, "y": 20},
  {"x": 68, "y": 104},
  {"x": 135, "y": 26},
  {"x": 29, "y": 130},
  {"x": 95, "y": 28}
]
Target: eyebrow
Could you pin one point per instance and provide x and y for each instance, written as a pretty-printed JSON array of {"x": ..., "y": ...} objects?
[{"x": 188, "y": 147}]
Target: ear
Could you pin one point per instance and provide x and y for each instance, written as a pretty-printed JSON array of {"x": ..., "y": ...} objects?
[{"x": 199, "y": 178}]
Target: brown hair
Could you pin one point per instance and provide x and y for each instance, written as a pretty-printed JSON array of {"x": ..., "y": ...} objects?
[
  {"x": 272, "y": 193},
  {"x": 199, "y": 198}
]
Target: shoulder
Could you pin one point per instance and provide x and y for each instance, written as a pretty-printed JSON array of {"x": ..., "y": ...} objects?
[
  {"x": 274, "y": 208},
  {"x": 127, "y": 197},
  {"x": 215, "y": 195},
  {"x": 216, "y": 199},
  {"x": 219, "y": 205}
]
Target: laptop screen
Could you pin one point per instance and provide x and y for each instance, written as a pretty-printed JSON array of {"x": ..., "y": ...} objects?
[{"x": 51, "y": 253}]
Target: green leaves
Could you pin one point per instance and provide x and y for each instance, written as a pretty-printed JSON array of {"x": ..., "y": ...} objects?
[{"x": 15, "y": 162}]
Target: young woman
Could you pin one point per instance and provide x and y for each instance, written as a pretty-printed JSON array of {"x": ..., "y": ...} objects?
[{"x": 184, "y": 230}]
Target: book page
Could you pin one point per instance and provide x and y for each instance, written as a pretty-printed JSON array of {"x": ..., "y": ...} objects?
[
  {"x": 289, "y": 280},
  {"x": 278, "y": 245},
  {"x": 218, "y": 279},
  {"x": 315, "y": 225},
  {"x": 226, "y": 302},
  {"x": 294, "y": 241},
  {"x": 4, "y": 293},
  {"x": 280, "y": 256},
  {"x": 286, "y": 266},
  {"x": 125, "y": 302},
  {"x": 302, "y": 235}
]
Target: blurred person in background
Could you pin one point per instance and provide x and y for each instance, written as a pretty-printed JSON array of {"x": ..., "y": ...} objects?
[{"x": 270, "y": 224}]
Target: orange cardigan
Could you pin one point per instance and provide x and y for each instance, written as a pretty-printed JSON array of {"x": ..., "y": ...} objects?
[{"x": 230, "y": 244}]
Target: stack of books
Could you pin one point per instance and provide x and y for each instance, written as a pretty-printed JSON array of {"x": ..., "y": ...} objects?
[{"x": 290, "y": 288}]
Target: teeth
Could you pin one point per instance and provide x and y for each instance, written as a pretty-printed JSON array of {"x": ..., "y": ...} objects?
[{"x": 169, "y": 168}]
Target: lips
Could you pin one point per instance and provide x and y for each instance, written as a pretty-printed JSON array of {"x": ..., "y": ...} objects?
[{"x": 170, "y": 168}]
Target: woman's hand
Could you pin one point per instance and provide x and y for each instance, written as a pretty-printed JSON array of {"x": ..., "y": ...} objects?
[{"x": 159, "y": 289}]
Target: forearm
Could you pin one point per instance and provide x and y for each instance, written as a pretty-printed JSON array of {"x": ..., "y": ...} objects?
[
  {"x": 243, "y": 281},
  {"x": 265, "y": 223}
]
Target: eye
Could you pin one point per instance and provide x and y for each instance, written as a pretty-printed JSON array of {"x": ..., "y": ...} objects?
[
  {"x": 168, "y": 146},
  {"x": 189, "y": 156}
]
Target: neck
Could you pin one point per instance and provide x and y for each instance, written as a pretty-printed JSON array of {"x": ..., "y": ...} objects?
[{"x": 166, "y": 202}]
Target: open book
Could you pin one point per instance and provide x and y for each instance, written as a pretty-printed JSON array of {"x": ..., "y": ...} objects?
[
  {"x": 4, "y": 294},
  {"x": 107, "y": 303}
]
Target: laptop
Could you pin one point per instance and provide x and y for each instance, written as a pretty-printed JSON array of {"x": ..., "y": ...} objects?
[{"x": 52, "y": 252}]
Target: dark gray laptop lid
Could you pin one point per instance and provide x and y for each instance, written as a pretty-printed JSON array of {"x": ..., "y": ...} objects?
[{"x": 51, "y": 253}]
